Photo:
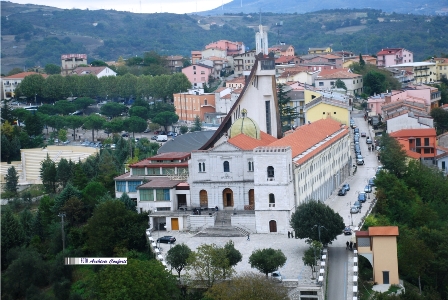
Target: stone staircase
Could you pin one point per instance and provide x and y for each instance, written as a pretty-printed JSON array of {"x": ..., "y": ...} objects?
[{"x": 222, "y": 227}]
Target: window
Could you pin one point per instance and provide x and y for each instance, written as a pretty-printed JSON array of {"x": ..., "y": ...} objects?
[
  {"x": 268, "y": 116},
  {"x": 153, "y": 171},
  {"x": 205, "y": 102},
  {"x": 426, "y": 141},
  {"x": 147, "y": 195},
  {"x": 202, "y": 72},
  {"x": 201, "y": 167},
  {"x": 194, "y": 67},
  {"x": 271, "y": 200},
  {"x": 167, "y": 171},
  {"x": 226, "y": 166},
  {"x": 321, "y": 83},
  {"x": 132, "y": 185},
  {"x": 418, "y": 142},
  {"x": 121, "y": 186},
  {"x": 270, "y": 172},
  {"x": 162, "y": 195},
  {"x": 194, "y": 72},
  {"x": 443, "y": 165},
  {"x": 138, "y": 171},
  {"x": 251, "y": 166}
]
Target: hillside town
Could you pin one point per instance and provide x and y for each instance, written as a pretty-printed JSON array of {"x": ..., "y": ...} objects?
[{"x": 239, "y": 142}]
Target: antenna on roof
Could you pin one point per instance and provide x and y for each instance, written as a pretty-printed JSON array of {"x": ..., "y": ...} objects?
[{"x": 260, "y": 16}]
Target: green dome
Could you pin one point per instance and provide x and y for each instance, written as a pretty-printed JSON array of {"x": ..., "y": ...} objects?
[{"x": 245, "y": 125}]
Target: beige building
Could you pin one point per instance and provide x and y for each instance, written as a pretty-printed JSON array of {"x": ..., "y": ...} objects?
[
  {"x": 319, "y": 50},
  {"x": 379, "y": 245},
  {"x": 69, "y": 62},
  {"x": 194, "y": 103}
]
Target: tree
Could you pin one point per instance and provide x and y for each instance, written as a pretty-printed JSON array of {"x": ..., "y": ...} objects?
[
  {"x": 165, "y": 119},
  {"x": 136, "y": 280},
  {"x": 52, "y": 69},
  {"x": 112, "y": 109},
  {"x": 54, "y": 88},
  {"x": 197, "y": 124},
  {"x": 233, "y": 255},
  {"x": 88, "y": 86},
  {"x": 112, "y": 227},
  {"x": 287, "y": 113},
  {"x": 12, "y": 180},
  {"x": 93, "y": 122},
  {"x": 127, "y": 85},
  {"x": 248, "y": 286},
  {"x": 83, "y": 102},
  {"x": 135, "y": 124},
  {"x": 362, "y": 63},
  {"x": 206, "y": 264},
  {"x": 340, "y": 84},
  {"x": 440, "y": 117},
  {"x": 178, "y": 83},
  {"x": 62, "y": 135},
  {"x": 74, "y": 122},
  {"x": 6, "y": 112},
  {"x": 267, "y": 260},
  {"x": 64, "y": 107},
  {"x": 183, "y": 129},
  {"x": 115, "y": 125},
  {"x": 128, "y": 202},
  {"x": 64, "y": 172},
  {"x": 374, "y": 82},
  {"x": 14, "y": 71},
  {"x": 393, "y": 156},
  {"x": 67, "y": 193},
  {"x": 309, "y": 258},
  {"x": 48, "y": 174},
  {"x": 91, "y": 192},
  {"x": 177, "y": 257},
  {"x": 79, "y": 178},
  {"x": 31, "y": 86},
  {"x": 11, "y": 234},
  {"x": 34, "y": 125},
  {"x": 316, "y": 221},
  {"x": 139, "y": 111}
]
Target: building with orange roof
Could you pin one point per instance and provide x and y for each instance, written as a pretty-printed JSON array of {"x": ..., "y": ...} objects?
[
  {"x": 97, "y": 71},
  {"x": 10, "y": 83},
  {"x": 393, "y": 56},
  {"x": 297, "y": 74},
  {"x": 196, "y": 56},
  {"x": 282, "y": 50},
  {"x": 379, "y": 245},
  {"x": 194, "y": 103},
  {"x": 419, "y": 143},
  {"x": 231, "y": 48},
  {"x": 236, "y": 83}
]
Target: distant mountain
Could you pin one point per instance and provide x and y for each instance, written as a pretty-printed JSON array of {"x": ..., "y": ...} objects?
[
  {"x": 34, "y": 35},
  {"x": 421, "y": 7}
]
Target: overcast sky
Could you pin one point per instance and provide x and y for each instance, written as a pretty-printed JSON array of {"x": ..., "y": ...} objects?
[{"x": 136, "y": 6}]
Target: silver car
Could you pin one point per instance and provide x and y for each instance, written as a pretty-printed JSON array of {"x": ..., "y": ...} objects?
[
  {"x": 354, "y": 210},
  {"x": 277, "y": 276}
]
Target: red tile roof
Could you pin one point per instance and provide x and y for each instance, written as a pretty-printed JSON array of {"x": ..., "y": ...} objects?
[
  {"x": 389, "y": 51},
  {"x": 413, "y": 133},
  {"x": 160, "y": 182},
  {"x": 284, "y": 59},
  {"x": 23, "y": 75},
  {"x": 309, "y": 135},
  {"x": 88, "y": 70},
  {"x": 245, "y": 142},
  {"x": 339, "y": 74},
  {"x": 383, "y": 230},
  {"x": 240, "y": 79}
]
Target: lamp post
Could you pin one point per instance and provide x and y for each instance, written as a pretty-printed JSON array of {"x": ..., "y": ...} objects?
[{"x": 318, "y": 229}]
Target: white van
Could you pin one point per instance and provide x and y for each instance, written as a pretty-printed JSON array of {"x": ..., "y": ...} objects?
[{"x": 162, "y": 138}]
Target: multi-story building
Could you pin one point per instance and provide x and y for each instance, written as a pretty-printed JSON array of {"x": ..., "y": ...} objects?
[
  {"x": 69, "y": 62},
  {"x": 419, "y": 143},
  {"x": 198, "y": 75},
  {"x": 319, "y": 50},
  {"x": 243, "y": 63},
  {"x": 327, "y": 80},
  {"x": 153, "y": 182},
  {"x": 97, "y": 71},
  {"x": 282, "y": 50},
  {"x": 196, "y": 56},
  {"x": 393, "y": 56},
  {"x": 175, "y": 63},
  {"x": 194, "y": 103},
  {"x": 318, "y": 106},
  {"x": 424, "y": 72},
  {"x": 236, "y": 83},
  {"x": 231, "y": 48},
  {"x": 10, "y": 83},
  {"x": 441, "y": 68}
]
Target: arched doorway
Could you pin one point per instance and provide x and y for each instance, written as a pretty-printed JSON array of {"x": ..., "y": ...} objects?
[
  {"x": 203, "y": 198},
  {"x": 227, "y": 197},
  {"x": 251, "y": 198},
  {"x": 272, "y": 226}
]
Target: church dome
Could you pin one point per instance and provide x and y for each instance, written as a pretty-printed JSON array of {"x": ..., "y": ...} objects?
[{"x": 246, "y": 126}]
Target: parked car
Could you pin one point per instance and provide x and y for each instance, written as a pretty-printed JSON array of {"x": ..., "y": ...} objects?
[
  {"x": 346, "y": 186},
  {"x": 356, "y": 130},
  {"x": 356, "y": 139},
  {"x": 368, "y": 140},
  {"x": 368, "y": 189},
  {"x": 347, "y": 230},
  {"x": 167, "y": 239},
  {"x": 277, "y": 276},
  {"x": 362, "y": 197},
  {"x": 354, "y": 210},
  {"x": 357, "y": 204},
  {"x": 170, "y": 133},
  {"x": 372, "y": 181},
  {"x": 363, "y": 134},
  {"x": 342, "y": 192},
  {"x": 147, "y": 130},
  {"x": 125, "y": 134},
  {"x": 359, "y": 159}
]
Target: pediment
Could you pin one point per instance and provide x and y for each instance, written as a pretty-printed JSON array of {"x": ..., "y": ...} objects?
[{"x": 225, "y": 147}]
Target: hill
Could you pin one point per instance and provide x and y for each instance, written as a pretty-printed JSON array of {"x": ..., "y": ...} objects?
[
  {"x": 421, "y": 7},
  {"x": 36, "y": 35}
]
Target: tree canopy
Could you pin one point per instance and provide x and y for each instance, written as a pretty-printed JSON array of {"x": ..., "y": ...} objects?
[
  {"x": 314, "y": 220},
  {"x": 267, "y": 260},
  {"x": 177, "y": 257}
]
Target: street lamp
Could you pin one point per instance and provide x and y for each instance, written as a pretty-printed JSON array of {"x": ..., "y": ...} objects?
[{"x": 318, "y": 229}]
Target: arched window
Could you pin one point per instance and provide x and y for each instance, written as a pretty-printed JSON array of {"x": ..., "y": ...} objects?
[
  {"x": 271, "y": 200},
  {"x": 201, "y": 167},
  {"x": 270, "y": 172},
  {"x": 226, "y": 166}
]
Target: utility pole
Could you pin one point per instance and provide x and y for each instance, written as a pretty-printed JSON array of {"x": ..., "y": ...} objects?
[{"x": 62, "y": 215}]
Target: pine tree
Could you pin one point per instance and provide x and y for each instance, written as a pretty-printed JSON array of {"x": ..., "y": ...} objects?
[
  {"x": 362, "y": 63},
  {"x": 197, "y": 125},
  {"x": 48, "y": 173},
  {"x": 12, "y": 180},
  {"x": 11, "y": 234}
]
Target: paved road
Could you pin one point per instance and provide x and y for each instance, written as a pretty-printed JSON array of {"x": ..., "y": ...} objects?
[{"x": 340, "y": 265}]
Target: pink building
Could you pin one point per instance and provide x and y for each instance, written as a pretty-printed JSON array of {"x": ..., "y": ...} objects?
[
  {"x": 198, "y": 74},
  {"x": 231, "y": 47},
  {"x": 393, "y": 56},
  {"x": 196, "y": 56}
]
